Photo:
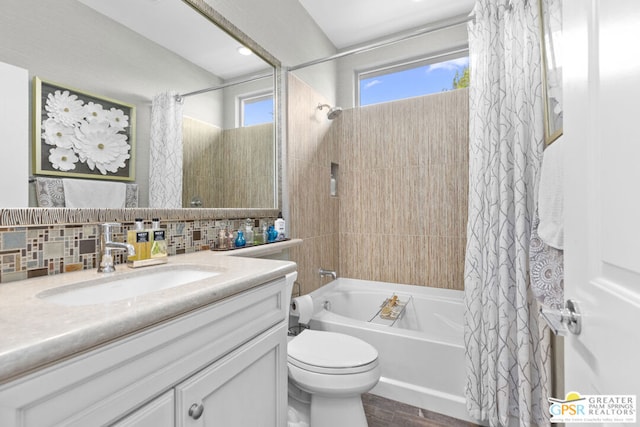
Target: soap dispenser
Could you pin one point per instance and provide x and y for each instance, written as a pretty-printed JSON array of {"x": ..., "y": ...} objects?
[
  {"x": 159, "y": 242},
  {"x": 139, "y": 238}
]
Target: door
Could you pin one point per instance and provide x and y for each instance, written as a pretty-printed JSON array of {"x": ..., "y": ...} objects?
[{"x": 601, "y": 67}]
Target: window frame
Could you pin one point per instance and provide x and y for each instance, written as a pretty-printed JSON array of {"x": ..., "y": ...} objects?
[
  {"x": 399, "y": 66},
  {"x": 249, "y": 98}
]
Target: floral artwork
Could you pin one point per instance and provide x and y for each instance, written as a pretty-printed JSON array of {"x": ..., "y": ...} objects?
[{"x": 78, "y": 134}]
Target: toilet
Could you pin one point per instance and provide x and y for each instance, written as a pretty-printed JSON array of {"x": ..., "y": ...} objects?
[{"x": 328, "y": 373}]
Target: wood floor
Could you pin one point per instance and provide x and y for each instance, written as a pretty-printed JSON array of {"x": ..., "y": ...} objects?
[{"x": 383, "y": 412}]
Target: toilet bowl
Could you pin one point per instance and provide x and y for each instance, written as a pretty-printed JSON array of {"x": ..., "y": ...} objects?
[{"x": 328, "y": 372}]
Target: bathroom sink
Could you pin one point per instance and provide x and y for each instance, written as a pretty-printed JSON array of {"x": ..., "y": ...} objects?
[{"x": 111, "y": 289}]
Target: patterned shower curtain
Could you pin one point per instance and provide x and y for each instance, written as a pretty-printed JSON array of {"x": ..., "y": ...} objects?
[
  {"x": 507, "y": 350},
  {"x": 165, "y": 168}
]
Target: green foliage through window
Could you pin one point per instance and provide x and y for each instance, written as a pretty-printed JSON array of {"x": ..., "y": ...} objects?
[{"x": 461, "y": 79}]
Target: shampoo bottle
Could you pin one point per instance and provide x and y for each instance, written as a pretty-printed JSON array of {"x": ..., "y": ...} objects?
[
  {"x": 280, "y": 227},
  {"x": 333, "y": 190}
]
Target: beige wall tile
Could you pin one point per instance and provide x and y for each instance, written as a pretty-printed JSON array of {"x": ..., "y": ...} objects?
[
  {"x": 313, "y": 143},
  {"x": 229, "y": 168},
  {"x": 400, "y": 214}
]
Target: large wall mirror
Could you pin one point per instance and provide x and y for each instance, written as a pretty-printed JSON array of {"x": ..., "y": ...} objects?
[{"x": 131, "y": 50}]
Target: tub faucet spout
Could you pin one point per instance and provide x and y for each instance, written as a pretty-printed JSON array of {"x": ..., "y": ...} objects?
[{"x": 331, "y": 273}]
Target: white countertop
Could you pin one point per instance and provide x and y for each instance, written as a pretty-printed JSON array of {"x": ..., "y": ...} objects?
[
  {"x": 35, "y": 332},
  {"x": 263, "y": 250}
]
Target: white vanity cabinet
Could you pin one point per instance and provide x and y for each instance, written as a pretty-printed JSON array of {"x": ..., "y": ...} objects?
[
  {"x": 160, "y": 412},
  {"x": 223, "y": 364},
  {"x": 240, "y": 390}
]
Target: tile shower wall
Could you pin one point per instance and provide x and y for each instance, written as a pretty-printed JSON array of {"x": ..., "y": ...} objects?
[
  {"x": 239, "y": 160},
  {"x": 32, "y": 251},
  {"x": 401, "y": 210},
  {"x": 403, "y": 190},
  {"x": 313, "y": 215}
]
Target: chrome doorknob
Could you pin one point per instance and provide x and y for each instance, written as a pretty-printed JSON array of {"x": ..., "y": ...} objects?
[{"x": 565, "y": 319}]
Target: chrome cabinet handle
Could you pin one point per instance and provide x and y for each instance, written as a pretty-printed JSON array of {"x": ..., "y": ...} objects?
[{"x": 196, "y": 410}]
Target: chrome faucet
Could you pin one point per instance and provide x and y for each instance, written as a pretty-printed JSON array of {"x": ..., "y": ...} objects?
[
  {"x": 106, "y": 246},
  {"x": 331, "y": 273}
]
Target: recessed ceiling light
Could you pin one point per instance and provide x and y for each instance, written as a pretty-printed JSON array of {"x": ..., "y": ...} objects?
[{"x": 244, "y": 51}]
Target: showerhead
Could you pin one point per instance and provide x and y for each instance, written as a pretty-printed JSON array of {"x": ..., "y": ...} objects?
[{"x": 333, "y": 112}]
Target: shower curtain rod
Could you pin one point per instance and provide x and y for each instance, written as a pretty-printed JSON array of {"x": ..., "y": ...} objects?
[
  {"x": 224, "y": 85},
  {"x": 457, "y": 20}
]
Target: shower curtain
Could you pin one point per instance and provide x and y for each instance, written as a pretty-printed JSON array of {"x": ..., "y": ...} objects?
[
  {"x": 507, "y": 350},
  {"x": 165, "y": 168}
]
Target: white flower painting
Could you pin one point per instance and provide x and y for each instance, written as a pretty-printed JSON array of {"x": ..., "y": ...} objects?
[{"x": 85, "y": 132}]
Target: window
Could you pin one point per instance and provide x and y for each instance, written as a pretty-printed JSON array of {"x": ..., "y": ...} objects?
[
  {"x": 256, "y": 109},
  {"x": 414, "y": 79}
]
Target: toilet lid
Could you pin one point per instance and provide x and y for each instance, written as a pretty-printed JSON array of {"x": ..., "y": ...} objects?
[{"x": 331, "y": 350}]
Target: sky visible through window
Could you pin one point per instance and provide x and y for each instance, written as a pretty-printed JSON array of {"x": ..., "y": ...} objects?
[
  {"x": 258, "y": 112},
  {"x": 407, "y": 83}
]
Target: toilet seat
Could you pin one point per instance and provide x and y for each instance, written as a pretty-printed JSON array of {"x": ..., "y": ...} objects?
[{"x": 331, "y": 353}]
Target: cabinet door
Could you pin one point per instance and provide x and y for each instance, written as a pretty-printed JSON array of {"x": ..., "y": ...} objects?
[
  {"x": 160, "y": 412},
  {"x": 248, "y": 387}
]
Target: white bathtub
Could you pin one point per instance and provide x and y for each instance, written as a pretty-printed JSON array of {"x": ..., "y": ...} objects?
[{"x": 421, "y": 355}]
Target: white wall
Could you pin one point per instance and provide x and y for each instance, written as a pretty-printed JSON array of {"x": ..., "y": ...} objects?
[
  {"x": 14, "y": 127},
  {"x": 337, "y": 79},
  {"x": 285, "y": 29},
  {"x": 282, "y": 27},
  {"x": 419, "y": 47}
]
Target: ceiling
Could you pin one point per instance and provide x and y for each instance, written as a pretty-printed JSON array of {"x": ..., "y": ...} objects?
[
  {"x": 350, "y": 22},
  {"x": 174, "y": 25},
  {"x": 346, "y": 23}
]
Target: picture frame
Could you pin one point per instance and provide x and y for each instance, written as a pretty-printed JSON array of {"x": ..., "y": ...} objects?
[
  {"x": 551, "y": 44},
  {"x": 81, "y": 135}
]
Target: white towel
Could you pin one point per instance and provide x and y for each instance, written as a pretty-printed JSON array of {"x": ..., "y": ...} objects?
[
  {"x": 551, "y": 196},
  {"x": 83, "y": 193}
]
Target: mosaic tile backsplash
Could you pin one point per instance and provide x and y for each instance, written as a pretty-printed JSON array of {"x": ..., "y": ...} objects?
[{"x": 32, "y": 251}]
